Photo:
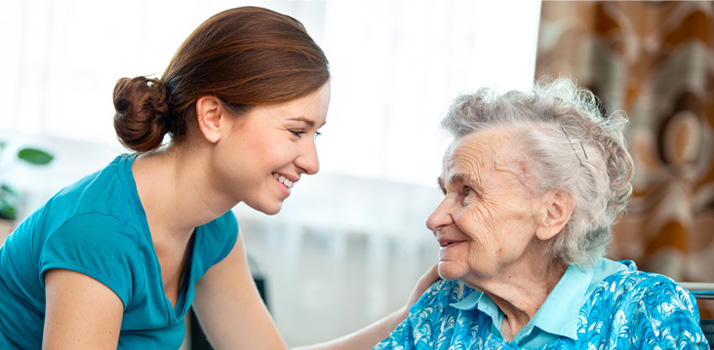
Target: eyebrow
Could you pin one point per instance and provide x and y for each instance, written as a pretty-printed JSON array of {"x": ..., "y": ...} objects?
[
  {"x": 461, "y": 178},
  {"x": 309, "y": 122},
  {"x": 456, "y": 179}
]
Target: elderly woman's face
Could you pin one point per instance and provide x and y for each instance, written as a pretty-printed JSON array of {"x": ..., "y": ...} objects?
[{"x": 486, "y": 223}]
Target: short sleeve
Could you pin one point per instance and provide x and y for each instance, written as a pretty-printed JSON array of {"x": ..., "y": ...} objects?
[
  {"x": 97, "y": 245},
  {"x": 214, "y": 241},
  {"x": 229, "y": 232},
  {"x": 665, "y": 317}
]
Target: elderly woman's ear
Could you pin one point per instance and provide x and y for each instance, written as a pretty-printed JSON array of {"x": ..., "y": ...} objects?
[{"x": 554, "y": 215}]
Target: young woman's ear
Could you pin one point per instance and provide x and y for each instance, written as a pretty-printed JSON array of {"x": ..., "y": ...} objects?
[
  {"x": 209, "y": 113},
  {"x": 555, "y": 215}
]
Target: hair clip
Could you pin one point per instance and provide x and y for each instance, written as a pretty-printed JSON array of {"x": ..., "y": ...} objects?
[{"x": 573, "y": 146}]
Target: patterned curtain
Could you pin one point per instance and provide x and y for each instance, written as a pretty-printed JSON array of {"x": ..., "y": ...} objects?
[{"x": 654, "y": 61}]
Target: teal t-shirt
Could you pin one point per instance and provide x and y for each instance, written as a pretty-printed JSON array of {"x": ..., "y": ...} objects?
[{"x": 98, "y": 227}]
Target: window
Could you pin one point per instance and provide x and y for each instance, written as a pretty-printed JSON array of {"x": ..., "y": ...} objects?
[{"x": 396, "y": 66}]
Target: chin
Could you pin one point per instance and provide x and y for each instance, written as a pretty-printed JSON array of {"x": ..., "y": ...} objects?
[
  {"x": 271, "y": 213},
  {"x": 447, "y": 272},
  {"x": 267, "y": 210}
]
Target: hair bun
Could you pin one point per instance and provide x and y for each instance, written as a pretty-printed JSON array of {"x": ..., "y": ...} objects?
[{"x": 141, "y": 113}]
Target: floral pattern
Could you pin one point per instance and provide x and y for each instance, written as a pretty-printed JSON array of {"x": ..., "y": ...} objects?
[{"x": 629, "y": 310}]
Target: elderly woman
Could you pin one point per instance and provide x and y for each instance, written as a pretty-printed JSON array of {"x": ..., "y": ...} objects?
[{"x": 533, "y": 183}]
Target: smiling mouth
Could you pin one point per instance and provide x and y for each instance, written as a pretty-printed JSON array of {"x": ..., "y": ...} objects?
[
  {"x": 283, "y": 180},
  {"x": 446, "y": 244}
]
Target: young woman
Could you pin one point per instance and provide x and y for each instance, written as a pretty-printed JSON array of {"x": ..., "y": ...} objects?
[{"x": 116, "y": 259}]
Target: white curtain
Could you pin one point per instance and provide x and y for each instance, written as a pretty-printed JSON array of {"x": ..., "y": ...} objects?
[{"x": 351, "y": 241}]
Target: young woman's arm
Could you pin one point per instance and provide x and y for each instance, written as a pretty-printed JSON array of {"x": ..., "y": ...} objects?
[
  {"x": 230, "y": 309},
  {"x": 81, "y": 312},
  {"x": 234, "y": 316},
  {"x": 366, "y": 338}
]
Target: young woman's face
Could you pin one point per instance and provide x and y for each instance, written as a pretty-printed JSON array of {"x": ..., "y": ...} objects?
[{"x": 269, "y": 149}]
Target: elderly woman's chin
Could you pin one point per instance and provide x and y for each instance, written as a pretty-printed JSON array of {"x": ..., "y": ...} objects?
[{"x": 451, "y": 270}]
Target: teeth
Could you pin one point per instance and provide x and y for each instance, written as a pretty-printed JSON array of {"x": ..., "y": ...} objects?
[{"x": 283, "y": 180}]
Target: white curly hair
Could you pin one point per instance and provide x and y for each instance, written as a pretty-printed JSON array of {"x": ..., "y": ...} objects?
[{"x": 569, "y": 145}]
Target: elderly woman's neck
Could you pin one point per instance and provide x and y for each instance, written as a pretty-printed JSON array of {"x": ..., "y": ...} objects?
[{"x": 520, "y": 295}]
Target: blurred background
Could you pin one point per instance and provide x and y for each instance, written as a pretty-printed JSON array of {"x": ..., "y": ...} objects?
[{"x": 351, "y": 241}]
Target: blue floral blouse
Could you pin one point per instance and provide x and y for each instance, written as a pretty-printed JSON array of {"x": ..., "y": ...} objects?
[{"x": 629, "y": 309}]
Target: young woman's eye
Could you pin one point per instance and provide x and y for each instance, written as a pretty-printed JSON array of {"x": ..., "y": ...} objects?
[
  {"x": 317, "y": 134},
  {"x": 297, "y": 133}
]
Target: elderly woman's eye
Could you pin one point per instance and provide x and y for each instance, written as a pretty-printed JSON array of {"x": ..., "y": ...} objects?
[{"x": 468, "y": 191}]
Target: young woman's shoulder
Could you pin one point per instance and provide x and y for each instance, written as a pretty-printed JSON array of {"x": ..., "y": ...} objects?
[{"x": 215, "y": 240}]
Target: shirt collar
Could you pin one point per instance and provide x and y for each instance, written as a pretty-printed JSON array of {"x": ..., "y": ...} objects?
[
  {"x": 559, "y": 313},
  {"x": 469, "y": 302},
  {"x": 485, "y": 304}
]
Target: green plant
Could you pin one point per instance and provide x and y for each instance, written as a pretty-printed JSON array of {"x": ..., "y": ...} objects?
[{"x": 9, "y": 197}]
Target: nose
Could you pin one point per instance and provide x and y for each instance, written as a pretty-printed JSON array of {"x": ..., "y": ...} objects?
[
  {"x": 307, "y": 160},
  {"x": 440, "y": 217}
]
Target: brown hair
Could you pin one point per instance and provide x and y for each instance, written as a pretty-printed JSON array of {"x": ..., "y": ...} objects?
[{"x": 245, "y": 56}]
